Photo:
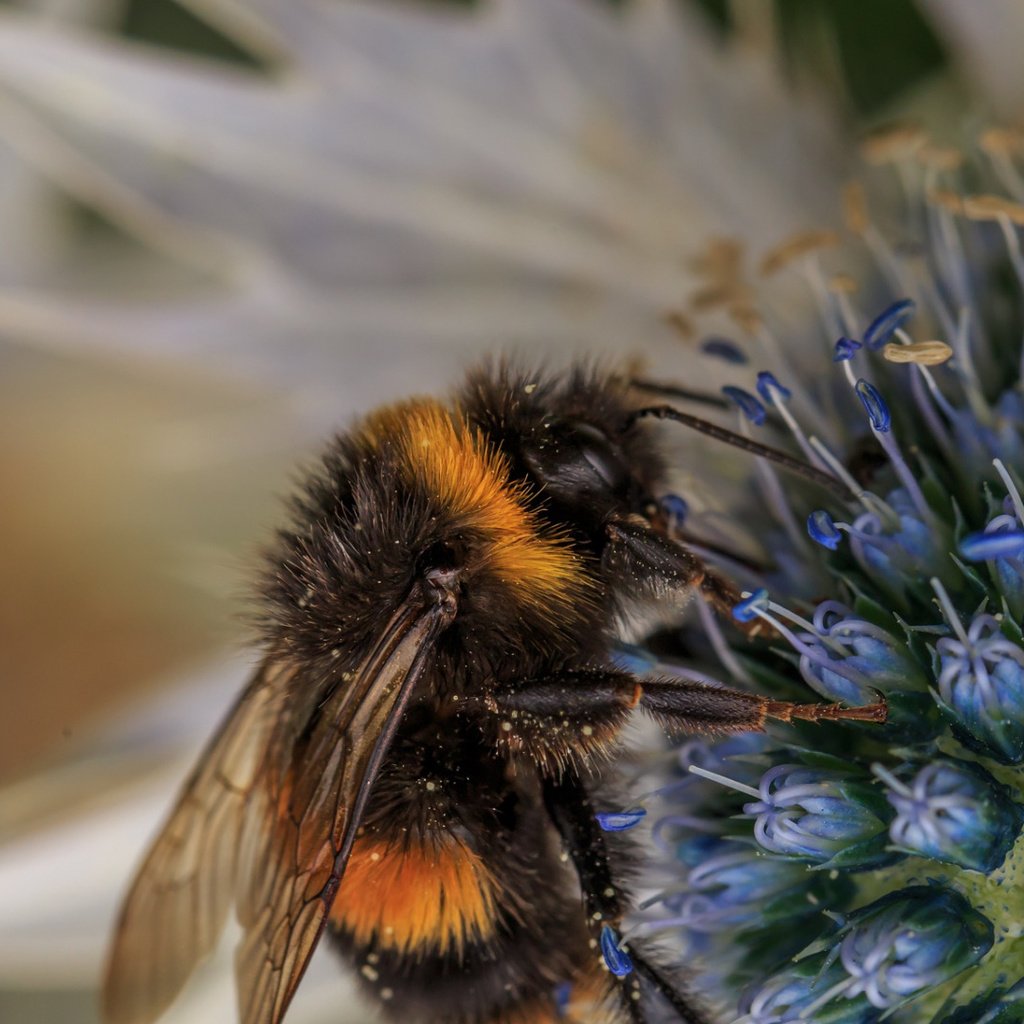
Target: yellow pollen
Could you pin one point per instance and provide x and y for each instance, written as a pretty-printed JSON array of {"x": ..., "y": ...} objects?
[
  {"x": 842, "y": 284},
  {"x": 923, "y": 353},
  {"x": 855, "y": 208},
  {"x": 1001, "y": 142},
  {"x": 804, "y": 243},
  {"x": 681, "y": 324},
  {"x": 890, "y": 145},
  {"x": 746, "y": 318},
  {"x": 717, "y": 295},
  {"x": 989, "y": 207},
  {"x": 940, "y": 158}
]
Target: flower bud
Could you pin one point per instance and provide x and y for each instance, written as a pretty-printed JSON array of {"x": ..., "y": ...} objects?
[
  {"x": 981, "y": 687},
  {"x": 822, "y": 816},
  {"x": 910, "y": 941},
  {"x": 955, "y": 811},
  {"x": 794, "y": 995}
]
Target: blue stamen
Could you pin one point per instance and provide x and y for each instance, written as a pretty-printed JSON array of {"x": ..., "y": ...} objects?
[
  {"x": 770, "y": 390},
  {"x": 748, "y": 404},
  {"x": 874, "y": 405},
  {"x": 724, "y": 349},
  {"x": 822, "y": 528},
  {"x": 750, "y": 607},
  {"x": 775, "y": 394},
  {"x": 618, "y": 962},
  {"x": 674, "y": 508},
  {"x": 811, "y": 653},
  {"x": 845, "y": 348},
  {"x": 980, "y": 547},
  {"x": 888, "y": 322},
  {"x": 881, "y": 421},
  {"x": 620, "y": 821},
  {"x": 563, "y": 996}
]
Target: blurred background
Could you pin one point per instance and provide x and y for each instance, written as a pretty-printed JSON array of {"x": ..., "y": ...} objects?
[{"x": 229, "y": 226}]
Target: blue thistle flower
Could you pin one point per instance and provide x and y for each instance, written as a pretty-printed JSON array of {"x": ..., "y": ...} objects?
[
  {"x": 899, "y": 551},
  {"x": 908, "y": 942},
  {"x": 849, "y": 644},
  {"x": 1001, "y": 545},
  {"x": 815, "y": 825}
]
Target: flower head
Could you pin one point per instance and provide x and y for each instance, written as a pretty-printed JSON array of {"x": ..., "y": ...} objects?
[{"x": 915, "y": 561}]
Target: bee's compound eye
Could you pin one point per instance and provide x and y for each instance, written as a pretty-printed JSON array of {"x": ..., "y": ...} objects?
[{"x": 601, "y": 455}]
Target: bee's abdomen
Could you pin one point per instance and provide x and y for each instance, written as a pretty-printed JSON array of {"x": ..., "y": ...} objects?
[
  {"x": 522, "y": 972},
  {"x": 417, "y": 898},
  {"x": 455, "y": 906}
]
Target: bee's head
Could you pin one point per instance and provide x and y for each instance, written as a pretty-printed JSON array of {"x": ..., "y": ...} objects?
[
  {"x": 572, "y": 439},
  {"x": 413, "y": 505}
]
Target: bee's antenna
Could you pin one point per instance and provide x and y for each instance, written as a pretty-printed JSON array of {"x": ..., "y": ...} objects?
[
  {"x": 674, "y": 391},
  {"x": 795, "y": 465}
]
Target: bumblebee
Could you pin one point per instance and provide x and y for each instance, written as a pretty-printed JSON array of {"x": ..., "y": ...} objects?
[{"x": 413, "y": 768}]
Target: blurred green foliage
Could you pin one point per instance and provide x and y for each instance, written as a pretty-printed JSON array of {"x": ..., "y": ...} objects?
[
  {"x": 166, "y": 23},
  {"x": 884, "y": 47}
]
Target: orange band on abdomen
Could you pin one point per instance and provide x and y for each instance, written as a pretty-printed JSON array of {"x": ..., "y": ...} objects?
[{"x": 437, "y": 896}]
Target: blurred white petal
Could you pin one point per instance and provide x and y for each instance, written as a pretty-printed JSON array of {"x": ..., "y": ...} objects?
[
  {"x": 559, "y": 159},
  {"x": 76, "y": 832},
  {"x": 984, "y": 38}
]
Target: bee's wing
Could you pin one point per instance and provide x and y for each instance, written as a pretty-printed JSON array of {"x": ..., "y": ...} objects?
[
  {"x": 275, "y": 840},
  {"x": 178, "y": 903}
]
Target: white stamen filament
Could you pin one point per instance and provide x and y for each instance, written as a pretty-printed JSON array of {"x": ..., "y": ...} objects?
[
  {"x": 724, "y": 780},
  {"x": 1011, "y": 489},
  {"x": 949, "y": 612}
]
